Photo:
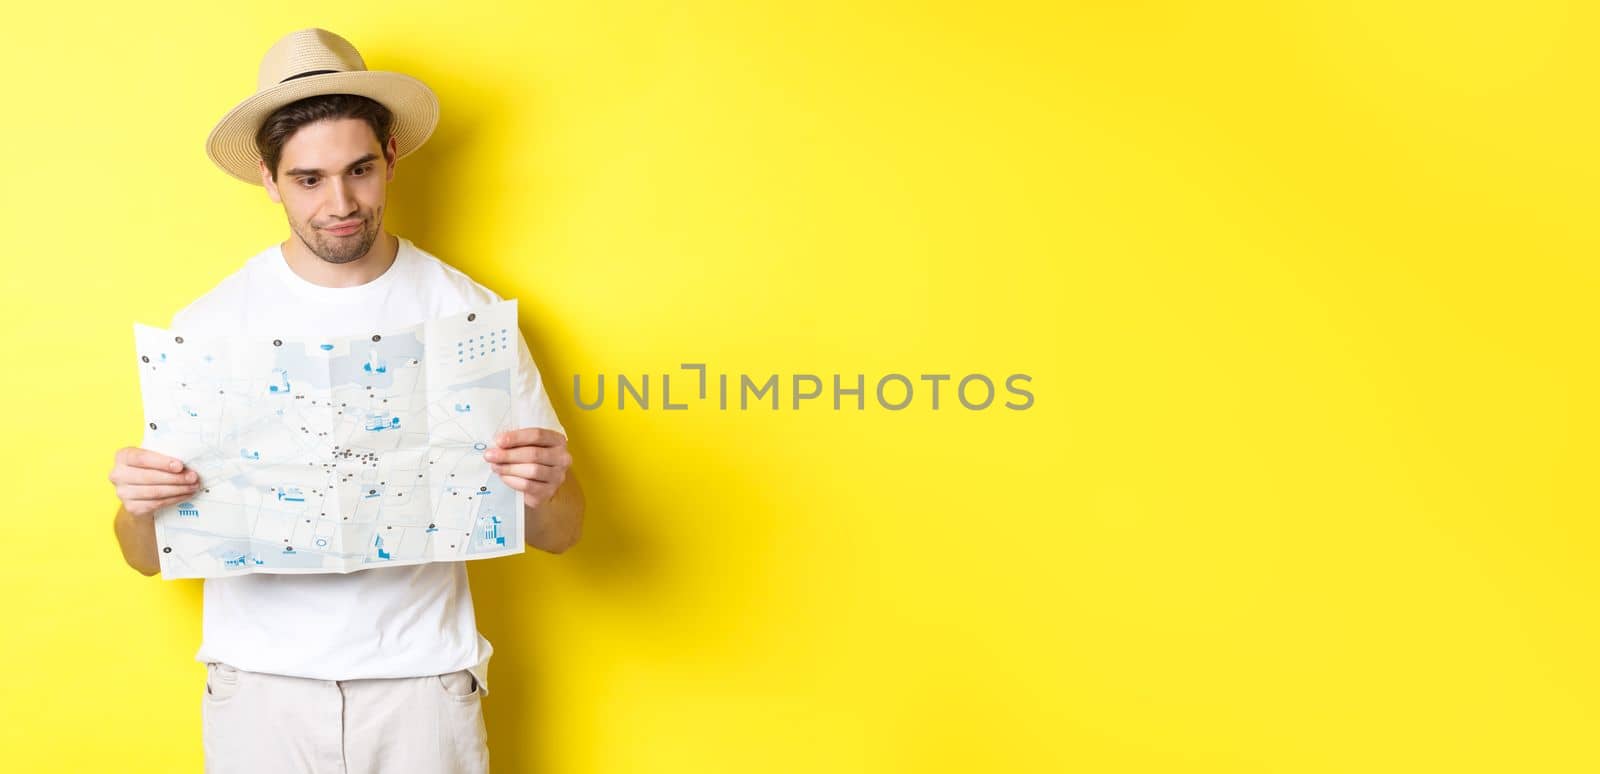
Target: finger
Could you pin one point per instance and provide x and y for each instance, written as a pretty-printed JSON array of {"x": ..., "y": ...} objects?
[
  {"x": 529, "y": 436},
  {"x": 546, "y": 473},
  {"x": 543, "y": 455},
  {"x": 147, "y": 507},
  {"x": 165, "y": 502},
  {"x": 159, "y": 492},
  {"x": 518, "y": 483},
  {"x": 156, "y": 493},
  {"x": 146, "y": 476},
  {"x": 144, "y": 458}
]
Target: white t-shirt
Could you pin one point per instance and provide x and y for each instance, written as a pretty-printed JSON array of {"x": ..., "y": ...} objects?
[{"x": 406, "y": 621}]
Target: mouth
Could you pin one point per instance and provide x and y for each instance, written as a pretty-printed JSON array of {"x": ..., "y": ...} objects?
[{"x": 345, "y": 229}]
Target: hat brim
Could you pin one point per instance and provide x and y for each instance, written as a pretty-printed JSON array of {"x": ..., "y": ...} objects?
[{"x": 232, "y": 143}]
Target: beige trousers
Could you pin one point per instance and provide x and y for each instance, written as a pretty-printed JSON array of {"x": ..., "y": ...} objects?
[{"x": 255, "y": 722}]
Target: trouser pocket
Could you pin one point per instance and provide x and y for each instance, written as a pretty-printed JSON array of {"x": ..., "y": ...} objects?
[
  {"x": 222, "y": 681},
  {"x": 460, "y": 685}
]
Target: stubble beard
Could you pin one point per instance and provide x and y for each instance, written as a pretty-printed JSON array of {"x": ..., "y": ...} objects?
[{"x": 337, "y": 249}]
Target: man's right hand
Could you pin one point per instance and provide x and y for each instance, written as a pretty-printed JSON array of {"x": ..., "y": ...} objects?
[{"x": 148, "y": 481}]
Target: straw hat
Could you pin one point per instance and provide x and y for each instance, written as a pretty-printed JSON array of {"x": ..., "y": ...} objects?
[{"x": 310, "y": 62}]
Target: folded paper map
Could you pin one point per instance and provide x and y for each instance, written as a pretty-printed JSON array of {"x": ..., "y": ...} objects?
[{"x": 336, "y": 454}]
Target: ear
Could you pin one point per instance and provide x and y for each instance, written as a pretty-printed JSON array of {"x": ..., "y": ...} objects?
[
  {"x": 391, "y": 154},
  {"x": 267, "y": 182}
]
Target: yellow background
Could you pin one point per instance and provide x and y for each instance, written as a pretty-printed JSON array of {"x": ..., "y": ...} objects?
[{"x": 1306, "y": 291}]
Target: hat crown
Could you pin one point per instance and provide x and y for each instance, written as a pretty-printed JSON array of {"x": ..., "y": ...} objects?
[{"x": 304, "y": 52}]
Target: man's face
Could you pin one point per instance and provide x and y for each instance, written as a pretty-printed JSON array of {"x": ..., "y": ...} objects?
[{"x": 333, "y": 173}]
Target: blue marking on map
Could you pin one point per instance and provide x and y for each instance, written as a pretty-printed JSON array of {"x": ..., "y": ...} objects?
[
  {"x": 364, "y": 368},
  {"x": 490, "y": 531},
  {"x": 378, "y": 421},
  {"x": 237, "y": 559}
]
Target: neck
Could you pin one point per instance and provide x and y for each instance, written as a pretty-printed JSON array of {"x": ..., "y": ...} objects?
[{"x": 360, "y": 271}]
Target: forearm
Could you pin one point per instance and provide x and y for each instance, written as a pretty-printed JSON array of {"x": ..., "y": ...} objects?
[
  {"x": 555, "y": 525},
  {"x": 137, "y": 536}
]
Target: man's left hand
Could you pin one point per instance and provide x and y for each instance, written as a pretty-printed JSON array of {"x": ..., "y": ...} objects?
[{"x": 532, "y": 460}]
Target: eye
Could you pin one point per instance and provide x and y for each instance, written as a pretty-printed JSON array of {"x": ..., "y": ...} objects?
[
  {"x": 307, "y": 182},
  {"x": 363, "y": 168}
]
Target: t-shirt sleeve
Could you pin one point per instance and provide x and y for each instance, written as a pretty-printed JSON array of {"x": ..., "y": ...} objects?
[{"x": 533, "y": 408}]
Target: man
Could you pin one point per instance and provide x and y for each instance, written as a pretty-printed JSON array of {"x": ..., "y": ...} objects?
[{"x": 379, "y": 670}]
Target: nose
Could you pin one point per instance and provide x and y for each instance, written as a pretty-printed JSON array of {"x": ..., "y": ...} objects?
[{"x": 342, "y": 203}]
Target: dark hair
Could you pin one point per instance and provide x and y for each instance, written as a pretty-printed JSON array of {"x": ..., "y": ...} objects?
[{"x": 287, "y": 120}]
